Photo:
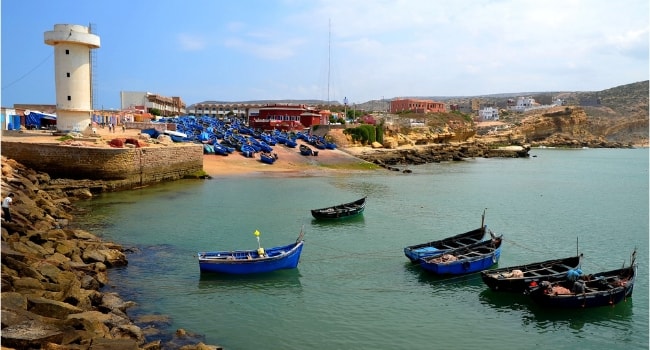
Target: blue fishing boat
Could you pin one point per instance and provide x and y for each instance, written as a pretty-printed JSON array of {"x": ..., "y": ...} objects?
[
  {"x": 268, "y": 158},
  {"x": 306, "y": 150},
  {"x": 419, "y": 251},
  {"x": 220, "y": 149},
  {"x": 177, "y": 136},
  {"x": 473, "y": 258},
  {"x": 291, "y": 143},
  {"x": 208, "y": 149},
  {"x": 258, "y": 260},
  {"x": 247, "y": 151}
]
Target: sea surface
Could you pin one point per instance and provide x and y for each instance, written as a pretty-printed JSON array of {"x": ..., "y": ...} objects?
[{"x": 354, "y": 288}]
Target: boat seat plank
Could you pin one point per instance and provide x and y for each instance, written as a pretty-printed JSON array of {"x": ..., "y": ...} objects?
[{"x": 565, "y": 267}]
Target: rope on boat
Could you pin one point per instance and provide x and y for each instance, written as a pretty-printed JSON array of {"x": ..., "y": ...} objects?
[
  {"x": 374, "y": 254},
  {"x": 522, "y": 246}
]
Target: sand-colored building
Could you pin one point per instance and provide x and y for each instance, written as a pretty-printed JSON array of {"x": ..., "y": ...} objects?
[{"x": 416, "y": 106}]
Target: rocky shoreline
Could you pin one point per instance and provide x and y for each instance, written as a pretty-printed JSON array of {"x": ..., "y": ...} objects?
[
  {"x": 52, "y": 276},
  {"x": 436, "y": 153}
]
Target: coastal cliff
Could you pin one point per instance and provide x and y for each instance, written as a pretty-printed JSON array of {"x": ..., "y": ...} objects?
[{"x": 559, "y": 126}]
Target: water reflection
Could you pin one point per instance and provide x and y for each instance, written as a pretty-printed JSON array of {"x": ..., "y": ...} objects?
[
  {"x": 354, "y": 221},
  {"x": 503, "y": 301},
  {"x": 446, "y": 284},
  {"x": 544, "y": 319},
  {"x": 547, "y": 319},
  {"x": 277, "y": 282}
]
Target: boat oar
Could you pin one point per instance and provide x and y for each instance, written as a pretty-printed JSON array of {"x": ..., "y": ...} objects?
[{"x": 260, "y": 250}]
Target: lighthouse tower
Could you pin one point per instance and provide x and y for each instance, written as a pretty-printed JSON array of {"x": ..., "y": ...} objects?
[{"x": 72, "y": 71}]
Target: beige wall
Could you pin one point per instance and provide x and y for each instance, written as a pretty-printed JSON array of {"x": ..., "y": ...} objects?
[{"x": 133, "y": 167}]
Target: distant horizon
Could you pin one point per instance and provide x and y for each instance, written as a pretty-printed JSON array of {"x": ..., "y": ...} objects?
[
  {"x": 386, "y": 100},
  {"x": 494, "y": 95}
]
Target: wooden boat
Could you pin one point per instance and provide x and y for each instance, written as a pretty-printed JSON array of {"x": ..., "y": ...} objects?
[
  {"x": 208, "y": 149},
  {"x": 306, "y": 150},
  {"x": 268, "y": 158},
  {"x": 247, "y": 151},
  {"x": 469, "y": 259},
  {"x": 176, "y": 136},
  {"x": 419, "y": 251},
  {"x": 601, "y": 289},
  {"x": 518, "y": 278},
  {"x": 341, "y": 211},
  {"x": 252, "y": 261}
]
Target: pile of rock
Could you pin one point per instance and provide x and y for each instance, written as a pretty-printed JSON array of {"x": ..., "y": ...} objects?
[
  {"x": 440, "y": 152},
  {"x": 52, "y": 276}
]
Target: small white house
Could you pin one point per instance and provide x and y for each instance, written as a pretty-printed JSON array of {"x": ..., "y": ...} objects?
[{"x": 488, "y": 113}]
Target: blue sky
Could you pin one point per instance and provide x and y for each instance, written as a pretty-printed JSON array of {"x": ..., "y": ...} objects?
[{"x": 330, "y": 49}]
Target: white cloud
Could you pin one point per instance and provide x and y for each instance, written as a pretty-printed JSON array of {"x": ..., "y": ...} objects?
[
  {"x": 188, "y": 42},
  {"x": 265, "y": 46}
]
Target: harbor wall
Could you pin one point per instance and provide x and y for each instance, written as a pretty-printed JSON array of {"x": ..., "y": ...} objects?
[{"x": 126, "y": 167}]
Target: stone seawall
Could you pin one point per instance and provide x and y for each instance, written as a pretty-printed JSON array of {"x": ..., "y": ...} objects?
[{"x": 125, "y": 167}]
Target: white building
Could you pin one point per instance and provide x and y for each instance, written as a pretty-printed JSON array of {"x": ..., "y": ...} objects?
[
  {"x": 488, "y": 113},
  {"x": 524, "y": 104},
  {"x": 72, "y": 72}
]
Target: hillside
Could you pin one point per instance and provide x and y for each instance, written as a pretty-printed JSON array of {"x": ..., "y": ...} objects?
[
  {"x": 615, "y": 116},
  {"x": 618, "y": 115}
]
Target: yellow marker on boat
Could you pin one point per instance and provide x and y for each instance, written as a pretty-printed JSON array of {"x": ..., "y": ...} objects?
[{"x": 257, "y": 233}]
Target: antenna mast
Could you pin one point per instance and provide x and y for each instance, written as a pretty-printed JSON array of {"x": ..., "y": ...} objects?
[{"x": 329, "y": 41}]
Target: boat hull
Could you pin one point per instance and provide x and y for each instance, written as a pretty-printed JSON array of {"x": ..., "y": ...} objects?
[
  {"x": 419, "y": 251},
  {"x": 602, "y": 289},
  {"x": 249, "y": 262},
  {"x": 341, "y": 211},
  {"x": 505, "y": 280},
  {"x": 465, "y": 260}
]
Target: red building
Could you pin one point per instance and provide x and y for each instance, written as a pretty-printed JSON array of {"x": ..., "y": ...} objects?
[
  {"x": 416, "y": 106},
  {"x": 285, "y": 117}
]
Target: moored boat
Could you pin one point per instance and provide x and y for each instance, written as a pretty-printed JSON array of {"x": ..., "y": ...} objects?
[
  {"x": 469, "y": 259},
  {"x": 258, "y": 260},
  {"x": 518, "y": 278},
  {"x": 600, "y": 289},
  {"x": 341, "y": 211},
  {"x": 418, "y": 251}
]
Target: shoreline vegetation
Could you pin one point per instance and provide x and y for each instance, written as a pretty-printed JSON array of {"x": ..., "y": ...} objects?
[{"x": 52, "y": 273}]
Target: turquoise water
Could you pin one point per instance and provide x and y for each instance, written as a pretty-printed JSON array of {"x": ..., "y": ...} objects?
[{"x": 354, "y": 288}]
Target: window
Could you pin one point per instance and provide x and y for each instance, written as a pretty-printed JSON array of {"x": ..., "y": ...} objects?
[
  {"x": 68, "y": 74},
  {"x": 69, "y": 98},
  {"x": 67, "y": 52}
]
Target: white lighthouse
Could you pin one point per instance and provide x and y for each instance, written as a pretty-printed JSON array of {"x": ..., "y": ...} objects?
[{"x": 72, "y": 71}]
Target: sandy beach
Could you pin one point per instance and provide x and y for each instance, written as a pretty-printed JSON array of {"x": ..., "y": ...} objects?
[{"x": 290, "y": 162}]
